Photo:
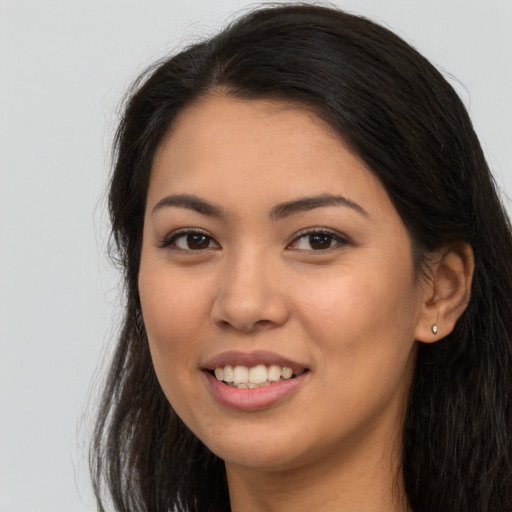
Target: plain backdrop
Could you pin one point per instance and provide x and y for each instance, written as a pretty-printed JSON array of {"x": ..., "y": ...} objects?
[{"x": 64, "y": 66}]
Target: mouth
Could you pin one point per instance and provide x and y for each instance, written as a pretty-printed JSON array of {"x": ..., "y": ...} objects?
[
  {"x": 252, "y": 377},
  {"x": 253, "y": 381}
]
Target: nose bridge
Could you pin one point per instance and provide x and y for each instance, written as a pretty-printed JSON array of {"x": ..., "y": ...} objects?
[{"x": 248, "y": 297}]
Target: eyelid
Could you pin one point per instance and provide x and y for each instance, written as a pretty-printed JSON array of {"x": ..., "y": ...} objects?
[
  {"x": 169, "y": 239},
  {"x": 340, "y": 238}
]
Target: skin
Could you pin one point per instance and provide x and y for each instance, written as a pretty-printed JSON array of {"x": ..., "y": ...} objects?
[{"x": 350, "y": 311}]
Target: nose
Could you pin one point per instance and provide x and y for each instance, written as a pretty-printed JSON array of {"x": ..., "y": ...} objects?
[{"x": 249, "y": 296}]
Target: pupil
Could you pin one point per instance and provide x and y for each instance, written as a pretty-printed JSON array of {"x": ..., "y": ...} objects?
[
  {"x": 197, "y": 241},
  {"x": 320, "y": 241}
]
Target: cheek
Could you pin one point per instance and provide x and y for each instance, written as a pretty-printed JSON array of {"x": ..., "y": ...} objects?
[
  {"x": 173, "y": 317},
  {"x": 364, "y": 344},
  {"x": 363, "y": 317},
  {"x": 171, "y": 304}
]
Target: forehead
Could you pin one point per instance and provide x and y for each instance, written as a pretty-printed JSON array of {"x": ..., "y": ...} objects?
[
  {"x": 258, "y": 151},
  {"x": 225, "y": 122}
]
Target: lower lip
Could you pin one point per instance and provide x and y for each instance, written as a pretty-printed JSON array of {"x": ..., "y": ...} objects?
[{"x": 256, "y": 398}]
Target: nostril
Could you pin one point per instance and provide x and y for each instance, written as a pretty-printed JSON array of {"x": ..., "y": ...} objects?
[
  {"x": 245, "y": 326},
  {"x": 262, "y": 323}
]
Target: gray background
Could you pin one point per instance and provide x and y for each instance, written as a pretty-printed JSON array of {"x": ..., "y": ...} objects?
[{"x": 64, "y": 66}]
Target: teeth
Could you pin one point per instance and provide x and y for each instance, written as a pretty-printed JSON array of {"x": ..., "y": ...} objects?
[
  {"x": 287, "y": 373},
  {"x": 240, "y": 374},
  {"x": 258, "y": 374},
  {"x": 274, "y": 373},
  {"x": 228, "y": 374},
  {"x": 254, "y": 377}
]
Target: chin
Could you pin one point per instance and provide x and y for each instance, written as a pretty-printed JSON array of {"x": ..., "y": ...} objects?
[
  {"x": 263, "y": 449},
  {"x": 265, "y": 459}
]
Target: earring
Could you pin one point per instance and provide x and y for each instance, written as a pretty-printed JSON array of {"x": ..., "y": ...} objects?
[{"x": 434, "y": 329}]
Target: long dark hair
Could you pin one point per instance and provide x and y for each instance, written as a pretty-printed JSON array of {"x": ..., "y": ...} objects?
[{"x": 404, "y": 120}]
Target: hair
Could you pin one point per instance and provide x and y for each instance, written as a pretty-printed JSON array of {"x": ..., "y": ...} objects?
[{"x": 402, "y": 118}]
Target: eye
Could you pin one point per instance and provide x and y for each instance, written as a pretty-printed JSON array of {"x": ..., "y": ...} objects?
[
  {"x": 317, "y": 240},
  {"x": 190, "y": 241}
]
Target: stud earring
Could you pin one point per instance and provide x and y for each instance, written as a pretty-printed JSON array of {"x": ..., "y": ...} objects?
[{"x": 434, "y": 329}]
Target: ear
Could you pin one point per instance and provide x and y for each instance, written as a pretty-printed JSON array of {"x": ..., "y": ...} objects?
[{"x": 446, "y": 291}]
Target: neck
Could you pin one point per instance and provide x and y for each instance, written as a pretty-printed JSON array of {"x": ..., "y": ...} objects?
[{"x": 362, "y": 482}]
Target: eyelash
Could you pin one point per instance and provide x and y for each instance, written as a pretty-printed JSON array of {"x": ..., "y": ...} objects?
[
  {"x": 333, "y": 236},
  {"x": 170, "y": 241}
]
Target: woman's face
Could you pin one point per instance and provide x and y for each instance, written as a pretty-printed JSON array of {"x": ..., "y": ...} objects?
[{"x": 269, "y": 245}]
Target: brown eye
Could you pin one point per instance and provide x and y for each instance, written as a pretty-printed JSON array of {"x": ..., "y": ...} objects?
[
  {"x": 190, "y": 241},
  {"x": 197, "y": 241},
  {"x": 320, "y": 241}
]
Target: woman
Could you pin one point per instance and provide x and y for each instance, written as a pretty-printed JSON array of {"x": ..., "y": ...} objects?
[{"x": 317, "y": 267}]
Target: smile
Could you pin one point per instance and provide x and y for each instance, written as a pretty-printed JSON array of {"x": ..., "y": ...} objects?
[
  {"x": 261, "y": 375},
  {"x": 256, "y": 380}
]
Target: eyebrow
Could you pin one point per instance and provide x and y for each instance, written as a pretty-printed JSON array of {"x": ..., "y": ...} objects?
[
  {"x": 305, "y": 204},
  {"x": 190, "y": 202},
  {"x": 280, "y": 211}
]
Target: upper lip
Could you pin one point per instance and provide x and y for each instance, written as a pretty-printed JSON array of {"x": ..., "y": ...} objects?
[{"x": 250, "y": 359}]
